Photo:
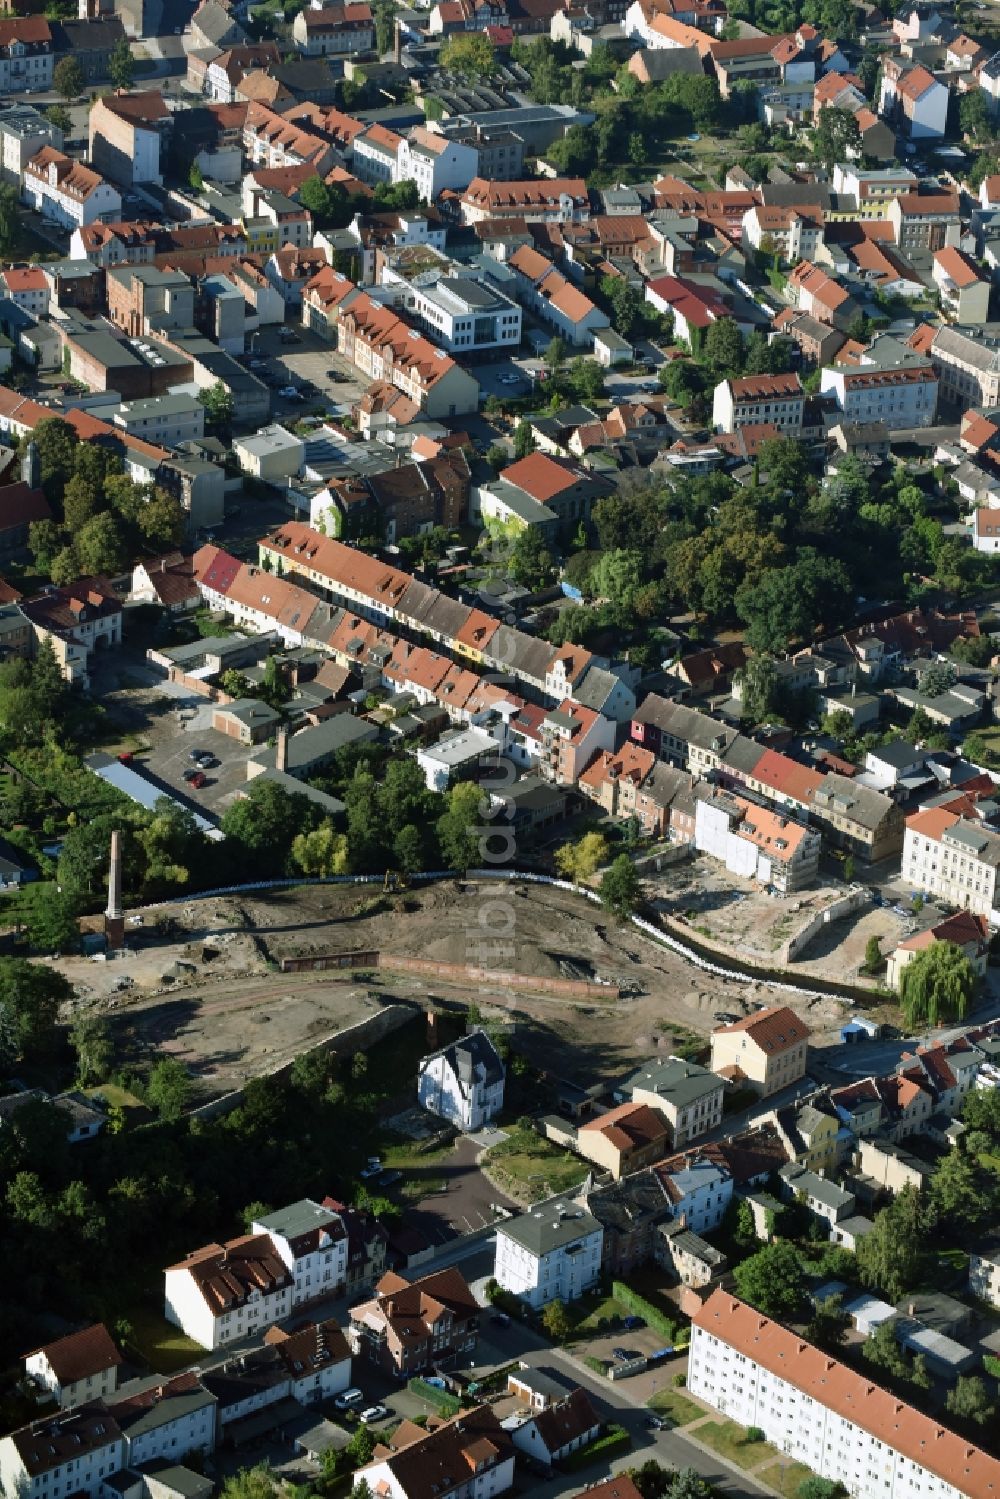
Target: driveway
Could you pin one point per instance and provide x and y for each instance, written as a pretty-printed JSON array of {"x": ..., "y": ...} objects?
[
  {"x": 465, "y": 1204},
  {"x": 170, "y": 757}
]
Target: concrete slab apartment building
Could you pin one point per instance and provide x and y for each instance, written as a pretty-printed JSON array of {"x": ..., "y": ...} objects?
[{"x": 819, "y": 1412}]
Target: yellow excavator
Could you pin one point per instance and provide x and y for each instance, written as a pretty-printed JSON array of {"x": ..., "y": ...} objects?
[{"x": 394, "y": 881}]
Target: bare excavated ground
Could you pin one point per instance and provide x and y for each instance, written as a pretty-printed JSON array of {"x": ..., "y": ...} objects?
[{"x": 207, "y": 990}]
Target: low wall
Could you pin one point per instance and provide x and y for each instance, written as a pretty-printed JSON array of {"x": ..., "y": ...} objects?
[
  {"x": 815, "y": 923},
  {"x": 354, "y": 1038},
  {"x": 471, "y": 973}
]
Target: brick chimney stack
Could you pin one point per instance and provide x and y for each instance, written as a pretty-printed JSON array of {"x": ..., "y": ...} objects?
[{"x": 281, "y": 751}]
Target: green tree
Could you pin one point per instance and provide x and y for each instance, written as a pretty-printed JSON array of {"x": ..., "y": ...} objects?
[
  {"x": 196, "y": 178},
  {"x": 759, "y": 681},
  {"x": 59, "y": 116},
  {"x": 497, "y": 456},
  {"x": 618, "y": 576},
  {"x": 264, "y": 825},
  {"x": 361, "y": 1447},
  {"x": 321, "y": 198},
  {"x": 530, "y": 562},
  {"x": 893, "y": 1256},
  {"x": 56, "y": 442},
  {"x": 9, "y": 220},
  {"x": 829, "y": 1324},
  {"x": 581, "y": 860},
  {"x": 881, "y": 1348},
  {"x": 835, "y": 137},
  {"x": 91, "y": 1040},
  {"x": 936, "y": 986},
  {"x": 50, "y": 918},
  {"x": 819, "y": 1488},
  {"x": 873, "y": 955},
  {"x": 470, "y": 54},
  {"x": 323, "y": 851},
  {"x": 938, "y": 678},
  {"x": 773, "y": 1281},
  {"x": 121, "y": 65},
  {"x": 619, "y": 888},
  {"x": 100, "y": 547},
  {"x": 974, "y": 116},
  {"x": 524, "y": 442},
  {"x": 724, "y": 348},
  {"x": 68, "y": 79},
  {"x": 460, "y": 828},
  {"x": 962, "y": 1193},
  {"x": 251, "y": 1483},
  {"x": 162, "y": 520},
  {"x": 169, "y": 1088},
  {"x": 981, "y": 1112},
  {"x": 557, "y": 1321},
  {"x": 220, "y": 408},
  {"x": 555, "y": 354},
  {"x": 30, "y": 995},
  {"x": 969, "y": 1401}
]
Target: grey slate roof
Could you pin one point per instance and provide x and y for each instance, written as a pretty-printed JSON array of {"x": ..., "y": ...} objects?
[
  {"x": 473, "y": 1059},
  {"x": 555, "y": 1224},
  {"x": 674, "y": 1080}
]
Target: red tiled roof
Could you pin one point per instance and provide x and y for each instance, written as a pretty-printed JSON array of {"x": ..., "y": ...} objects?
[{"x": 775, "y": 1030}]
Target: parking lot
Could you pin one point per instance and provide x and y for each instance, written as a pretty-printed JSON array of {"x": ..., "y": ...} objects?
[
  {"x": 170, "y": 757},
  {"x": 303, "y": 356},
  {"x": 465, "y": 1204}
]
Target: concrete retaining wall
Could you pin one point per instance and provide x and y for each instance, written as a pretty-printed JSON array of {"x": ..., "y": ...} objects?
[{"x": 815, "y": 923}]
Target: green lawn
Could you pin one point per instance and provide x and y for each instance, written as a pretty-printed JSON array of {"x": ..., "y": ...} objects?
[
  {"x": 597, "y": 1310},
  {"x": 676, "y": 1405},
  {"x": 163, "y": 1347},
  {"x": 785, "y": 1476},
  {"x": 730, "y": 1442},
  {"x": 529, "y": 1167}
]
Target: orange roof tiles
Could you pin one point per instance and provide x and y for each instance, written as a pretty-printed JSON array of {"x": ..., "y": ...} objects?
[
  {"x": 541, "y": 476},
  {"x": 774, "y": 1030},
  {"x": 958, "y": 267},
  {"x": 852, "y": 1396}
]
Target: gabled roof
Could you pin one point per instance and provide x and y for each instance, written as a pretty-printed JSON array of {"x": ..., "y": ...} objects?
[
  {"x": 80, "y": 1355},
  {"x": 773, "y": 1030}
]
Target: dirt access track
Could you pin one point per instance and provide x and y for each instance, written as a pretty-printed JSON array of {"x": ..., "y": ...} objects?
[{"x": 207, "y": 992}]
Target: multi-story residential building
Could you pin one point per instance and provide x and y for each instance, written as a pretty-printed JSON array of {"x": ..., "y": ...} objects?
[
  {"x": 902, "y": 398},
  {"x": 570, "y": 736},
  {"x": 794, "y": 231},
  {"x": 965, "y": 291},
  {"x": 80, "y": 1367},
  {"x": 75, "y": 619},
  {"x": 624, "y": 1139},
  {"x": 879, "y": 185},
  {"x": 827, "y": 1416},
  {"x": 225, "y": 1292},
  {"x": 699, "y": 1185},
  {"x": 912, "y": 99},
  {"x": 74, "y": 1452},
  {"x": 759, "y": 398},
  {"x": 756, "y": 842},
  {"x": 144, "y": 298},
  {"x": 965, "y": 929},
  {"x": 409, "y": 1326},
  {"x": 682, "y": 735},
  {"x": 953, "y": 858},
  {"x": 163, "y": 1418},
  {"x": 558, "y": 200},
  {"x": 27, "y": 288},
  {"x": 311, "y": 1239},
  {"x": 817, "y": 292},
  {"x": 499, "y": 149},
  {"x": 436, "y": 163},
  {"x": 555, "y": 299},
  {"x": 375, "y": 154},
  {"x": 550, "y": 1253},
  {"x": 64, "y": 190},
  {"x": 984, "y": 1273},
  {"x": 26, "y": 55},
  {"x": 309, "y": 1365},
  {"x": 688, "y": 1096},
  {"x": 272, "y": 140},
  {"x": 334, "y": 30},
  {"x": 386, "y": 348},
  {"x": 969, "y": 368},
  {"x": 464, "y": 1082},
  {"x": 471, "y": 1454},
  {"x": 127, "y": 132},
  {"x": 23, "y": 133},
  {"x": 167, "y": 420},
  {"x": 765, "y": 1051},
  {"x": 925, "y": 221}
]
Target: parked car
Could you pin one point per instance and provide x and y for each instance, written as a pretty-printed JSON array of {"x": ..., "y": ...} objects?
[
  {"x": 500, "y": 1319},
  {"x": 631, "y": 1324},
  {"x": 336, "y": 376},
  {"x": 349, "y": 1398},
  {"x": 197, "y": 755},
  {"x": 375, "y": 1413},
  {"x": 656, "y": 1423},
  {"x": 126, "y": 757},
  {"x": 196, "y": 778},
  {"x": 622, "y": 1354},
  {"x": 374, "y": 1168}
]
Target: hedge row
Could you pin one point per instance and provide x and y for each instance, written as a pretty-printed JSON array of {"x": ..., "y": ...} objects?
[
  {"x": 614, "y": 1440},
  {"x": 446, "y": 1405},
  {"x": 638, "y": 1306}
]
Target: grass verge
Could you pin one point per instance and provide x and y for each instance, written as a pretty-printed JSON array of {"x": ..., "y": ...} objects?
[{"x": 161, "y": 1345}]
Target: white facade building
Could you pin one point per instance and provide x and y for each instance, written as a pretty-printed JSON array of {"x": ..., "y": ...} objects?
[
  {"x": 72, "y": 1453},
  {"x": 700, "y": 1191},
  {"x": 82, "y": 1366},
  {"x": 435, "y": 163},
  {"x": 464, "y": 1082},
  {"x": 312, "y": 1241},
  {"x": 164, "y": 420},
  {"x": 901, "y": 398},
  {"x": 552, "y": 1253},
  {"x": 225, "y": 1292},
  {"x": 952, "y": 859},
  {"x": 69, "y": 192},
  {"x": 821, "y": 1413},
  {"x": 164, "y": 1418},
  {"x": 464, "y": 313}
]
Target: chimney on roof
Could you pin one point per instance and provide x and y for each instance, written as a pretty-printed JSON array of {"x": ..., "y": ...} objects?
[{"x": 281, "y": 751}]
